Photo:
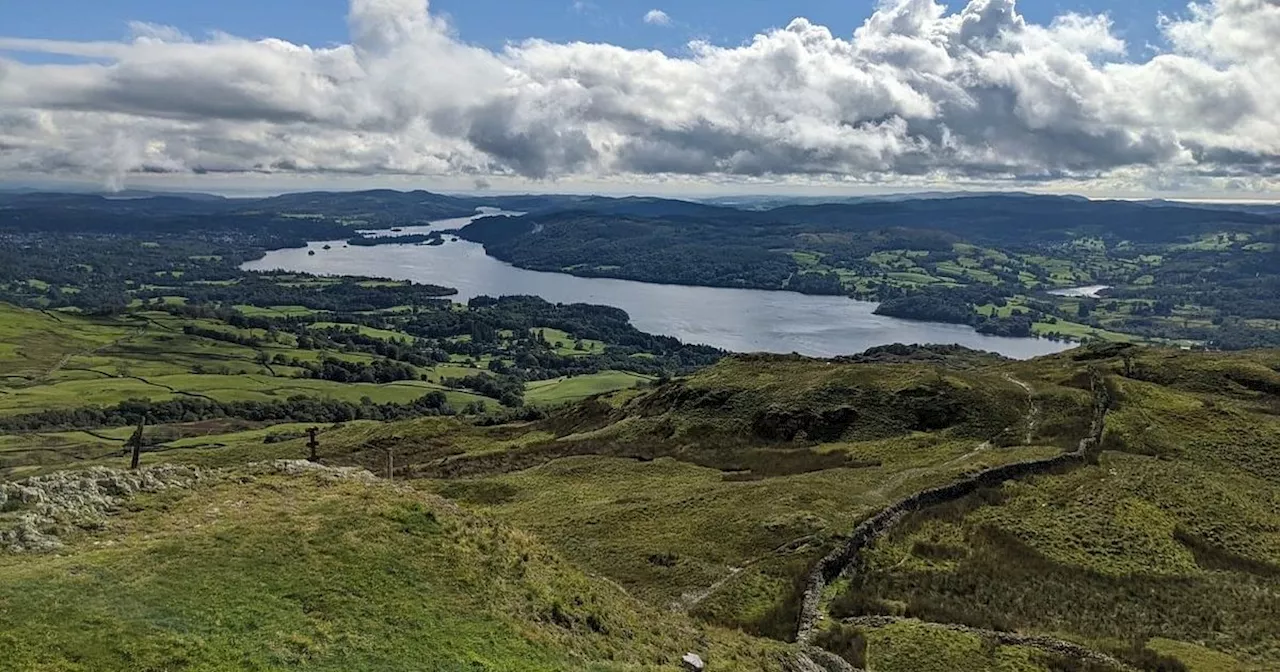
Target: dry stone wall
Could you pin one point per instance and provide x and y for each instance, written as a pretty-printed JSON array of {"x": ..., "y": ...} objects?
[{"x": 845, "y": 557}]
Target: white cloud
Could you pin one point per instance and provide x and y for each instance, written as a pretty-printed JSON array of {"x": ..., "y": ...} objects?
[
  {"x": 915, "y": 95},
  {"x": 657, "y": 17}
]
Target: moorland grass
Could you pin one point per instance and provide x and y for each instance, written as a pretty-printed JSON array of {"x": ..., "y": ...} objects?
[
  {"x": 279, "y": 573},
  {"x": 1173, "y": 538}
]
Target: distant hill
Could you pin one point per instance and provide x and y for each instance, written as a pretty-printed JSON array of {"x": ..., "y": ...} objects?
[{"x": 141, "y": 193}]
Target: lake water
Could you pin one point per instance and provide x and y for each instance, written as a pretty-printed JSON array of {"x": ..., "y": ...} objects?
[{"x": 741, "y": 320}]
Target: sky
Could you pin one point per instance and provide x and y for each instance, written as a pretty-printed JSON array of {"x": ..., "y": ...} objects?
[
  {"x": 1148, "y": 97},
  {"x": 493, "y": 23}
]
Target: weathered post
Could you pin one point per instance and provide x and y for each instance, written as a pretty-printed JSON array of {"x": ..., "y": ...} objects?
[
  {"x": 135, "y": 443},
  {"x": 313, "y": 445}
]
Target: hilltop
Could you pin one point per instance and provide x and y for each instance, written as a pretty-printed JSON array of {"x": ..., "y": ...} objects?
[{"x": 1149, "y": 541}]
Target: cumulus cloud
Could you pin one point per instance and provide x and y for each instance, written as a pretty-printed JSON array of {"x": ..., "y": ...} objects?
[
  {"x": 657, "y": 17},
  {"x": 914, "y": 93}
]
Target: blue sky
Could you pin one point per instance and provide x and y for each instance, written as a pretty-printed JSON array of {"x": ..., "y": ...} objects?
[{"x": 493, "y": 22}]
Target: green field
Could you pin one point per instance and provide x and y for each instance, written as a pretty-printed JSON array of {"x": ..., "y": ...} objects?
[
  {"x": 275, "y": 311},
  {"x": 566, "y": 344},
  {"x": 563, "y": 390},
  {"x": 384, "y": 334}
]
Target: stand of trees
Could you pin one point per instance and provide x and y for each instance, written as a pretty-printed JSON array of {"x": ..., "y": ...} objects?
[{"x": 186, "y": 409}]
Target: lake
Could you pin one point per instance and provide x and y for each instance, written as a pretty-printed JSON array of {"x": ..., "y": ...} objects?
[{"x": 741, "y": 320}]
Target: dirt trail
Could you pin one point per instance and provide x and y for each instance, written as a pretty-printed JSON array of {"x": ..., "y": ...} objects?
[
  {"x": 692, "y": 599},
  {"x": 1033, "y": 408}
]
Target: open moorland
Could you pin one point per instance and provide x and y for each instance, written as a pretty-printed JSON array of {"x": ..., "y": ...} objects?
[{"x": 711, "y": 499}]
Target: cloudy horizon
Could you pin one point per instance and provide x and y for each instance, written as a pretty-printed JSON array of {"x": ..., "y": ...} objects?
[{"x": 918, "y": 97}]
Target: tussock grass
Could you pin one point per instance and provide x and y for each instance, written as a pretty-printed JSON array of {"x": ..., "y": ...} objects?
[{"x": 275, "y": 572}]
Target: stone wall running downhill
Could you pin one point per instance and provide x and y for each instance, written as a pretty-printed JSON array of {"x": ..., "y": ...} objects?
[{"x": 845, "y": 558}]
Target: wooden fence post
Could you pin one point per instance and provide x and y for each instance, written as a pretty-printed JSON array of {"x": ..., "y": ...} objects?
[
  {"x": 313, "y": 445},
  {"x": 135, "y": 442}
]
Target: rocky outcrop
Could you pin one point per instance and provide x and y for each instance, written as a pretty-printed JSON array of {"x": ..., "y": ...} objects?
[
  {"x": 42, "y": 509},
  {"x": 845, "y": 557},
  {"x": 304, "y": 467}
]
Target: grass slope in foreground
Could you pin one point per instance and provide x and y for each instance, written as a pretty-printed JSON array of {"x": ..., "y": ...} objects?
[{"x": 310, "y": 571}]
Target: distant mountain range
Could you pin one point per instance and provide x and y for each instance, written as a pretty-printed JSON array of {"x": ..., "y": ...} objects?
[{"x": 401, "y": 207}]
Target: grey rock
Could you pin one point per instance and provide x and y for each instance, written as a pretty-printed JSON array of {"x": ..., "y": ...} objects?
[
  {"x": 45, "y": 508},
  {"x": 304, "y": 467},
  {"x": 36, "y": 513}
]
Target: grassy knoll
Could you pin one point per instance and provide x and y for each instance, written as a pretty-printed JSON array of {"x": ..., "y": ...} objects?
[
  {"x": 731, "y": 511},
  {"x": 273, "y": 572},
  {"x": 275, "y": 311},
  {"x": 694, "y": 536},
  {"x": 568, "y": 345},
  {"x": 915, "y": 647},
  {"x": 1164, "y": 554},
  {"x": 385, "y": 334},
  {"x": 564, "y": 390}
]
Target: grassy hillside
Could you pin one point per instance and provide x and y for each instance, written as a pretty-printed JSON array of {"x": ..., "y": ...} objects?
[
  {"x": 1168, "y": 550},
  {"x": 703, "y": 502},
  {"x": 689, "y": 496},
  {"x": 1162, "y": 556},
  {"x": 270, "y": 571}
]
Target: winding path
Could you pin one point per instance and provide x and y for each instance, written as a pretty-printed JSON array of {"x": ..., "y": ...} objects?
[{"x": 844, "y": 559}]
